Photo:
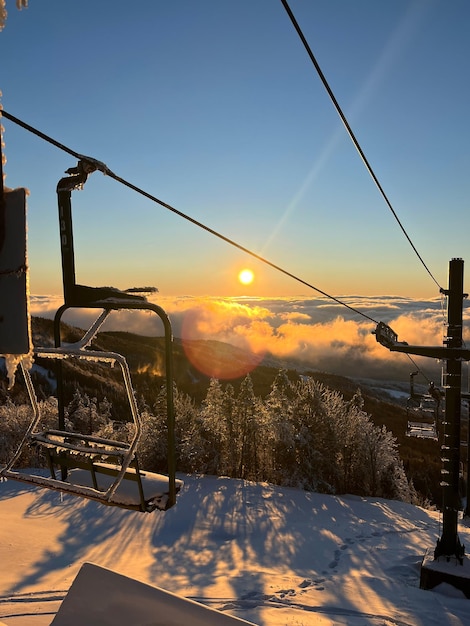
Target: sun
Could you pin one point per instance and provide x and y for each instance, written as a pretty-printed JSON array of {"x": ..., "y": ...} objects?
[{"x": 246, "y": 277}]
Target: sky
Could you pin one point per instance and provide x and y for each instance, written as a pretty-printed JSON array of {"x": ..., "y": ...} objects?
[
  {"x": 216, "y": 109},
  {"x": 269, "y": 555}
]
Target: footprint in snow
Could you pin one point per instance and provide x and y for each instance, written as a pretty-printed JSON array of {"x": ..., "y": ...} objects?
[
  {"x": 286, "y": 592},
  {"x": 308, "y": 582}
]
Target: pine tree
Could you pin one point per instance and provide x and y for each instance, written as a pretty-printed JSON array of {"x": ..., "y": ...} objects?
[
  {"x": 279, "y": 404},
  {"x": 245, "y": 412}
]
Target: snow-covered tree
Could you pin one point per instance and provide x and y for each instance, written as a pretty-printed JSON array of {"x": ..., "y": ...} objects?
[
  {"x": 14, "y": 421},
  {"x": 302, "y": 435},
  {"x": 247, "y": 412},
  {"x": 213, "y": 429},
  {"x": 83, "y": 415},
  {"x": 282, "y": 434}
]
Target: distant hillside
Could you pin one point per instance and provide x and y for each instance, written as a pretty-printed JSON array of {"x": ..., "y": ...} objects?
[{"x": 146, "y": 357}]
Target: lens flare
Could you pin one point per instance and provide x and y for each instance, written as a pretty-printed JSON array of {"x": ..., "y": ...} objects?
[{"x": 210, "y": 351}]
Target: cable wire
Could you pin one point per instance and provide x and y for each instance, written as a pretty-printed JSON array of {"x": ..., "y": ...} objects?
[
  {"x": 352, "y": 136},
  {"x": 102, "y": 167}
]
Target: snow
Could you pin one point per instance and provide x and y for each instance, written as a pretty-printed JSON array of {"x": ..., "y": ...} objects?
[
  {"x": 269, "y": 555},
  {"x": 135, "y": 603}
]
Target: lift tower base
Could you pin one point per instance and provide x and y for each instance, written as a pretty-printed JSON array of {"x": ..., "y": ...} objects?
[{"x": 449, "y": 570}]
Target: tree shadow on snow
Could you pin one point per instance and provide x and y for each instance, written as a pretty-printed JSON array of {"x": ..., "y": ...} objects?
[
  {"x": 228, "y": 534},
  {"x": 232, "y": 534},
  {"x": 88, "y": 533}
]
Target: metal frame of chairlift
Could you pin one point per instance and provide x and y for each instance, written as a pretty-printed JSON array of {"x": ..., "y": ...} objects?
[
  {"x": 94, "y": 467},
  {"x": 423, "y": 426}
]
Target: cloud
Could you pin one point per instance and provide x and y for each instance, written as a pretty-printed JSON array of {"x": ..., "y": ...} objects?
[{"x": 321, "y": 334}]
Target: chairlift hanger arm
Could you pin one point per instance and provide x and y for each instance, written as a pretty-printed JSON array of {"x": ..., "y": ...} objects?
[
  {"x": 388, "y": 338},
  {"x": 77, "y": 176}
]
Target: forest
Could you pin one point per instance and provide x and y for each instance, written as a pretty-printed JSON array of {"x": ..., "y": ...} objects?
[
  {"x": 302, "y": 434},
  {"x": 308, "y": 429}
]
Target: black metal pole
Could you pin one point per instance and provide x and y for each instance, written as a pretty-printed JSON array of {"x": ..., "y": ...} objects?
[
  {"x": 467, "y": 486},
  {"x": 2, "y": 194},
  {"x": 449, "y": 544}
]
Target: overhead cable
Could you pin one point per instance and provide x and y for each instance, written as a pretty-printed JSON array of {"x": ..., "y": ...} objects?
[
  {"x": 103, "y": 168},
  {"x": 353, "y": 137}
]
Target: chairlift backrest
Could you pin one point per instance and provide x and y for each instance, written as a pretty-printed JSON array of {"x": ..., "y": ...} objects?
[
  {"x": 16, "y": 345},
  {"x": 75, "y": 294}
]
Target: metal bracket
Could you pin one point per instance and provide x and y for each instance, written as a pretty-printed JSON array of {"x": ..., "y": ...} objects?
[{"x": 388, "y": 338}]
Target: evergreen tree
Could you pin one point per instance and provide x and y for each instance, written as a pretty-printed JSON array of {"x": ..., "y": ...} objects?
[
  {"x": 228, "y": 408},
  {"x": 213, "y": 430},
  {"x": 83, "y": 415},
  {"x": 279, "y": 403},
  {"x": 245, "y": 417}
]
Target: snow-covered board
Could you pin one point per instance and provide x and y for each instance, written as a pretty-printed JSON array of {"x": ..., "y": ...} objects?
[
  {"x": 155, "y": 486},
  {"x": 101, "y": 597},
  {"x": 14, "y": 314}
]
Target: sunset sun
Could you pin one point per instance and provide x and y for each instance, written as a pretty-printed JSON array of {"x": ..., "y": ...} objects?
[{"x": 246, "y": 277}]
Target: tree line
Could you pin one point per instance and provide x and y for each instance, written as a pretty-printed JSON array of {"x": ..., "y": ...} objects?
[{"x": 302, "y": 434}]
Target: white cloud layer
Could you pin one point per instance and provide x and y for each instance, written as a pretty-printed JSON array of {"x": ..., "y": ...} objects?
[{"x": 320, "y": 333}]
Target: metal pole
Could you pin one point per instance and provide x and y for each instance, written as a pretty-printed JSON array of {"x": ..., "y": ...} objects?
[
  {"x": 467, "y": 486},
  {"x": 2, "y": 193},
  {"x": 449, "y": 544}
]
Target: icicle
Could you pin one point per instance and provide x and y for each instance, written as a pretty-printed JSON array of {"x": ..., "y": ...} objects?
[
  {"x": 20, "y": 4},
  {"x": 3, "y": 14},
  {"x": 12, "y": 361}
]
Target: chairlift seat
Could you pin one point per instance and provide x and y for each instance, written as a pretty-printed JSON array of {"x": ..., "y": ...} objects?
[
  {"x": 155, "y": 487},
  {"x": 81, "y": 456},
  {"x": 91, "y": 467},
  {"x": 138, "y": 491},
  {"x": 422, "y": 430}
]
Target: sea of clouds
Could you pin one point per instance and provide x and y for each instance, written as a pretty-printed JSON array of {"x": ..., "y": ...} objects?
[{"x": 317, "y": 332}]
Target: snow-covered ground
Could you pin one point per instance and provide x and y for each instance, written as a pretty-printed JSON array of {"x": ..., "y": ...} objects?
[{"x": 269, "y": 555}]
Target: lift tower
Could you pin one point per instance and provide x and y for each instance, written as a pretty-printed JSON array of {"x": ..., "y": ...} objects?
[
  {"x": 453, "y": 354},
  {"x": 449, "y": 543}
]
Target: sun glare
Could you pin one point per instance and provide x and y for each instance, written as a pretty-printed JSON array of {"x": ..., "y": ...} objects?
[{"x": 246, "y": 277}]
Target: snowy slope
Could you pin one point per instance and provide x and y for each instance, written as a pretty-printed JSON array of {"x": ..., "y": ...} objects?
[{"x": 272, "y": 556}]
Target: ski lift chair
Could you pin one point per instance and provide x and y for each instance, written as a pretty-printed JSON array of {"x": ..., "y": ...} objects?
[
  {"x": 418, "y": 408},
  {"x": 91, "y": 467},
  {"x": 424, "y": 418}
]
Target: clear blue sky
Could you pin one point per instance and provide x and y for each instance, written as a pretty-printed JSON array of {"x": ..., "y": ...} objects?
[{"x": 214, "y": 107}]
